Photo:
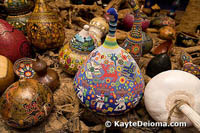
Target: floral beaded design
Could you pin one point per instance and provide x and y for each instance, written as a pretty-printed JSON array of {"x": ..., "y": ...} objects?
[{"x": 110, "y": 81}]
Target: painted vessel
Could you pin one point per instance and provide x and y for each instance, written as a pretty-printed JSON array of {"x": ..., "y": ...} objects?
[
  {"x": 6, "y": 73},
  {"x": 147, "y": 43},
  {"x": 188, "y": 66},
  {"x": 133, "y": 43},
  {"x": 128, "y": 21},
  {"x": 25, "y": 103},
  {"x": 19, "y": 21},
  {"x": 24, "y": 68},
  {"x": 158, "y": 64},
  {"x": 159, "y": 22},
  {"x": 167, "y": 33},
  {"x": 44, "y": 29},
  {"x": 13, "y": 43},
  {"x": 46, "y": 75},
  {"x": 109, "y": 82},
  {"x": 98, "y": 29},
  {"x": 74, "y": 53},
  {"x": 18, "y": 7},
  {"x": 186, "y": 39},
  {"x": 164, "y": 47}
]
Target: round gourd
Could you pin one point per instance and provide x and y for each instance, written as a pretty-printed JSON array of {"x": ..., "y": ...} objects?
[
  {"x": 73, "y": 54},
  {"x": 167, "y": 33},
  {"x": 110, "y": 81},
  {"x": 44, "y": 29},
  {"x": 25, "y": 103},
  {"x": 13, "y": 43},
  {"x": 6, "y": 73},
  {"x": 173, "y": 96},
  {"x": 158, "y": 64}
]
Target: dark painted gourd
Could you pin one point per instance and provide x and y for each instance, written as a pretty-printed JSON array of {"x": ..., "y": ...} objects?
[
  {"x": 18, "y": 7},
  {"x": 45, "y": 75},
  {"x": 44, "y": 29},
  {"x": 13, "y": 43},
  {"x": 158, "y": 64},
  {"x": 110, "y": 81},
  {"x": 25, "y": 103}
]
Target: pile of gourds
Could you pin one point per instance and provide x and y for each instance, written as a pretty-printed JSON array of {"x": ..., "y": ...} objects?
[{"x": 107, "y": 80}]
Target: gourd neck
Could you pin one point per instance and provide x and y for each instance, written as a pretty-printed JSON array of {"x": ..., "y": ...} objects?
[
  {"x": 136, "y": 31},
  {"x": 112, "y": 28},
  {"x": 110, "y": 42},
  {"x": 41, "y": 7}
]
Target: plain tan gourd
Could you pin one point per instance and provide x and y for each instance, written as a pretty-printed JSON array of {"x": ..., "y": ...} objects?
[{"x": 6, "y": 73}]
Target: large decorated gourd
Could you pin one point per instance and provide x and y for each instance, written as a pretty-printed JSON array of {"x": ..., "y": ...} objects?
[
  {"x": 173, "y": 96},
  {"x": 74, "y": 53},
  {"x": 18, "y": 7},
  {"x": 25, "y": 103},
  {"x": 13, "y": 43},
  {"x": 109, "y": 82},
  {"x": 6, "y": 73},
  {"x": 44, "y": 29},
  {"x": 133, "y": 43}
]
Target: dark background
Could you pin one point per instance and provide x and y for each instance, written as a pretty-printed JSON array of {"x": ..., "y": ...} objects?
[{"x": 167, "y": 4}]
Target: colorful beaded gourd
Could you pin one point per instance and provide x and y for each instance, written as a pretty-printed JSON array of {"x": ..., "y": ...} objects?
[
  {"x": 188, "y": 66},
  {"x": 110, "y": 81},
  {"x": 133, "y": 43},
  {"x": 73, "y": 54},
  {"x": 44, "y": 28}
]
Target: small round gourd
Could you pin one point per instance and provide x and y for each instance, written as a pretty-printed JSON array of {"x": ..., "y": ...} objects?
[
  {"x": 167, "y": 33},
  {"x": 173, "y": 96},
  {"x": 25, "y": 103},
  {"x": 6, "y": 73},
  {"x": 46, "y": 75}
]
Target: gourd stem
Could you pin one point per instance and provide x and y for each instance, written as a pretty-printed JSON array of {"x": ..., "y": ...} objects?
[{"x": 191, "y": 114}]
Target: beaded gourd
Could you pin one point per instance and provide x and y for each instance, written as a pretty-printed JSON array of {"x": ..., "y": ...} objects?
[
  {"x": 74, "y": 53},
  {"x": 110, "y": 81},
  {"x": 133, "y": 42}
]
